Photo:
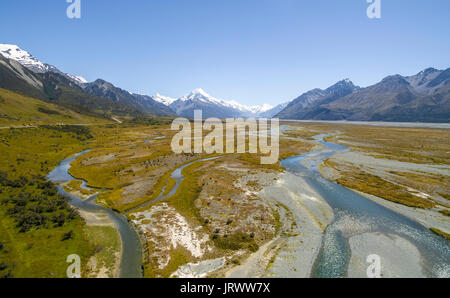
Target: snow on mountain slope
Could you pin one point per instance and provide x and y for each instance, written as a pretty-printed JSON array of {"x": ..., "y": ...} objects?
[
  {"x": 78, "y": 79},
  {"x": 200, "y": 99},
  {"x": 274, "y": 111},
  {"x": 23, "y": 57},
  {"x": 14, "y": 52},
  {"x": 163, "y": 99}
]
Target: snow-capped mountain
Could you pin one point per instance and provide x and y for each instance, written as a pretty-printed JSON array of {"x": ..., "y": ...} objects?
[
  {"x": 165, "y": 100},
  {"x": 274, "y": 111},
  {"x": 23, "y": 57},
  {"x": 199, "y": 99},
  {"x": 260, "y": 109},
  {"x": 14, "y": 52},
  {"x": 184, "y": 106},
  {"x": 78, "y": 79}
]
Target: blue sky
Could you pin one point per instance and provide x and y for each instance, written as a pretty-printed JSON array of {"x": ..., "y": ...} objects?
[{"x": 252, "y": 51}]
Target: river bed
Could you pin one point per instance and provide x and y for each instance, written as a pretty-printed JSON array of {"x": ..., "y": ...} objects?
[{"x": 359, "y": 220}]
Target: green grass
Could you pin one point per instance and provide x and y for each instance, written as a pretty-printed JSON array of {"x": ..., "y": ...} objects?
[
  {"x": 75, "y": 185},
  {"x": 17, "y": 110},
  {"x": 42, "y": 253},
  {"x": 178, "y": 257},
  {"x": 170, "y": 185},
  {"x": 236, "y": 241},
  {"x": 188, "y": 191},
  {"x": 107, "y": 243},
  {"x": 38, "y": 252},
  {"x": 35, "y": 151}
]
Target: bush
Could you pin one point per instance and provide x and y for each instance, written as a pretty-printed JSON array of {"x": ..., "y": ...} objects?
[
  {"x": 67, "y": 236},
  {"x": 82, "y": 132},
  {"x": 73, "y": 213},
  {"x": 28, "y": 220},
  {"x": 3, "y": 178},
  {"x": 235, "y": 242},
  {"x": 6, "y": 274},
  {"x": 37, "y": 204},
  {"x": 59, "y": 219}
]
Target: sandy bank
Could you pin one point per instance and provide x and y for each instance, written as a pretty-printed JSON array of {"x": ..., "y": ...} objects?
[{"x": 398, "y": 257}]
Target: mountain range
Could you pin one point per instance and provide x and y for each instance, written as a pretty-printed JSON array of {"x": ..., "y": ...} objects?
[
  {"x": 26, "y": 74},
  {"x": 424, "y": 97},
  {"x": 198, "y": 99}
]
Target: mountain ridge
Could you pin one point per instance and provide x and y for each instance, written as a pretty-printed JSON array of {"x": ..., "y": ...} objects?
[
  {"x": 423, "y": 97},
  {"x": 25, "y": 74}
]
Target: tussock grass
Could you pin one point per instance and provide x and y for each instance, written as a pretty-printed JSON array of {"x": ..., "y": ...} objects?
[{"x": 354, "y": 178}]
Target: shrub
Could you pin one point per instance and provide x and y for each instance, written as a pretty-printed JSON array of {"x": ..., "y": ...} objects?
[
  {"x": 37, "y": 204},
  {"x": 3, "y": 266},
  {"x": 67, "y": 236},
  {"x": 3, "y": 178},
  {"x": 59, "y": 219}
]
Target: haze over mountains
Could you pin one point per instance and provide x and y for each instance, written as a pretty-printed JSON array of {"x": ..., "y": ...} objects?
[{"x": 424, "y": 97}]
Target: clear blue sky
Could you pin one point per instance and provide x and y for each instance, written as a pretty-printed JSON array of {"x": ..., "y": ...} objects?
[{"x": 252, "y": 51}]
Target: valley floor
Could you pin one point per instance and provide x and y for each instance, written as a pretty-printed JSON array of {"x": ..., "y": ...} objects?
[{"x": 227, "y": 215}]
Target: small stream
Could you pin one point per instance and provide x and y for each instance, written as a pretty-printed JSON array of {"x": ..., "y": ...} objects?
[
  {"x": 131, "y": 261},
  {"x": 353, "y": 211},
  {"x": 178, "y": 176}
]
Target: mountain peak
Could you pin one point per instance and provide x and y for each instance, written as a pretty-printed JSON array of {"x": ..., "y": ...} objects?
[
  {"x": 343, "y": 84},
  {"x": 395, "y": 79},
  {"x": 428, "y": 71},
  {"x": 346, "y": 81},
  {"x": 199, "y": 91},
  {"x": 14, "y": 52}
]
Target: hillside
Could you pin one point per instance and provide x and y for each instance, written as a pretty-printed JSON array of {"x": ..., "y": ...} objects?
[
  {"x": 58, "y": 89},
  {"x": 20, "y": 110}
]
